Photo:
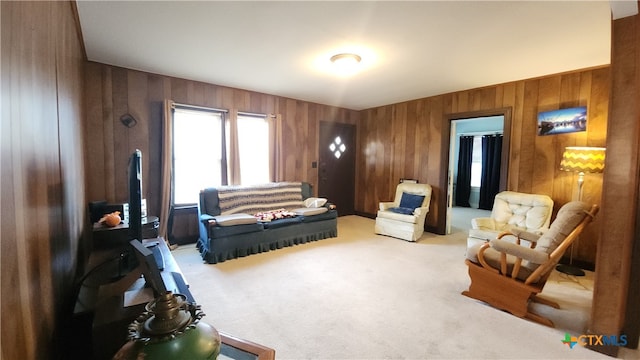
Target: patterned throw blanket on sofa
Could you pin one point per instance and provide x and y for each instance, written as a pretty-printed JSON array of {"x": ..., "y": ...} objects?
[{"x": 259, "y": 198}]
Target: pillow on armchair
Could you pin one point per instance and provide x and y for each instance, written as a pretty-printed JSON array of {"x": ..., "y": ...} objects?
[{"x": 408, "y": 203}]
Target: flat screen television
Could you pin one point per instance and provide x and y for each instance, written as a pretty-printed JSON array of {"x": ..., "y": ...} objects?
[
  {"x": 135, "y": 195},
  {"x": 150, "y": 271}
]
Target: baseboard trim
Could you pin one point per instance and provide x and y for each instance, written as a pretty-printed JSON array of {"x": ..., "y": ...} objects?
[
  {"x": 431, "y": 229},
  {"x": 584, "y": 265},
  {"x": 365, "y": 214},
  {"x": 183, "y": 240}
]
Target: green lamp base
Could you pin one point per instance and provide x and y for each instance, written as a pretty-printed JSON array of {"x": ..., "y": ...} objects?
[{"x": 170, "y": 328}]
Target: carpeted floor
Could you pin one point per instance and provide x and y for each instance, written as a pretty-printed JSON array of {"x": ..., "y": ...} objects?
[{"x": 366, "y": 296}]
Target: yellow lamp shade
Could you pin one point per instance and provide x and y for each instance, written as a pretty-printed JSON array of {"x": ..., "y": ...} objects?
[{"x": 583, "y": 159}]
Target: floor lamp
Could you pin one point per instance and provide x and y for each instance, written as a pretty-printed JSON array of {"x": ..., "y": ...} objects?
[{"x": 580, "y": 159}]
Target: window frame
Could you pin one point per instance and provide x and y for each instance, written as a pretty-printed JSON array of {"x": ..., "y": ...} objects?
[{"x": 227, "y": 142}]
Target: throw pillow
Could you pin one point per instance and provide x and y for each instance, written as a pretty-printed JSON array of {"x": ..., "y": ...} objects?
[
  {"x": 314, "y": 202},
  {"x": 411, "y": 201},
  {"x": 402, "y": 210}
]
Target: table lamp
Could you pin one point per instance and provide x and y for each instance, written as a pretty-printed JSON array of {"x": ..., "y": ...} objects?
[{"x": 580, "y": 159}]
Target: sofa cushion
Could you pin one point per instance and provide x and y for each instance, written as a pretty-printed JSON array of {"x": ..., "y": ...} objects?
[
  {"x": 395, "y": 216},
  {"x": 216, "y": 232},
  {"x": 309, "y": 211},
  {"x": 483, "y": 234},
  {"x": 402, "y": 210},
  {"x": 234, "y": 219},
  {"x": 492, "y": 234},
  {"x": 479, "y": 236},
  {"x": 492, "y": 257},
  {"x": 274, "y": 224},
  {"x": 527, "y": 211},
  {"x": 327, "y": 215},
  {"x": 569, "y": 216}
]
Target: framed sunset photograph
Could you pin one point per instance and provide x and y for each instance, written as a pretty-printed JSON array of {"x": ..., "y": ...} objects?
[{"x": 562, "y": 121}]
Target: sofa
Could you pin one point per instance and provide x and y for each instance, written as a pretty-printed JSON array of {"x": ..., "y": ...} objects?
[{"x": 236, "y": 221}]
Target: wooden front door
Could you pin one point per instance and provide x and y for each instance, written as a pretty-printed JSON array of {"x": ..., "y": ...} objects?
[{"x": 337, "y": 163}]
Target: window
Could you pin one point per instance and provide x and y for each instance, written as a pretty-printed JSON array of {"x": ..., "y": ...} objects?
[
  {"x": 197, "y": 153},
  {"x": 253, "y": 149},
  {"x": 203, "y": 156},
  {"x": 476, "y": 162}
]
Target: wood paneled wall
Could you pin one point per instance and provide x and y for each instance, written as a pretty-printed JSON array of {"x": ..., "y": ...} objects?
[
  {"x": 405, "y": 140},
  {"x": 616, "y": 292},
  {"x": 43, "y": 198},
  {"x": 395, "y": 141},
  {"x": 113, "y": 91}
]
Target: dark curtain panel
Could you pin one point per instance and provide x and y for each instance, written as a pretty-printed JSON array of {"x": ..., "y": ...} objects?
[
  {"x": 463, "y": 182},
  {"x": 490, "y": 180}
]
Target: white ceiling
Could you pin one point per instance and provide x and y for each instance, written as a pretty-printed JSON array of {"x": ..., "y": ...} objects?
[{"x": 409, "y": 50}]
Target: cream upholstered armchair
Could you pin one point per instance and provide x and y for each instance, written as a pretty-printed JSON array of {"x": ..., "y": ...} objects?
[
  {"x": 509, "y": 276},
  {"x": 404, "y": 217},
  {"x": 512, "y": 211}
]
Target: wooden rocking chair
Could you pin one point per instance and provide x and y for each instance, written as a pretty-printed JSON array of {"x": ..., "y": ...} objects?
[{"x": 508, "y": 275}]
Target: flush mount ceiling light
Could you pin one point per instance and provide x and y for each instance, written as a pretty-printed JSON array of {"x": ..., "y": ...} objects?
[
  {"x": 346, "y": 62},
  {"x": 346, "y": 58}
]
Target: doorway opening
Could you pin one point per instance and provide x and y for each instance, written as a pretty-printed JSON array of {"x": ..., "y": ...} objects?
[
  {"x": 470, "y": 167},
  {"x": 470, "y": 140},
  {"x": 489, "y": 123}
]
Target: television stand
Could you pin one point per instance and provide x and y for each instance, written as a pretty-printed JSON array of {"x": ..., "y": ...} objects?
[
  {"x": 107, "y": 332},
  {"x": 100, "y": 306}
]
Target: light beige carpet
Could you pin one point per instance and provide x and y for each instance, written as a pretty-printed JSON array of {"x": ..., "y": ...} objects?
[{"x": 366, "y": 296}]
